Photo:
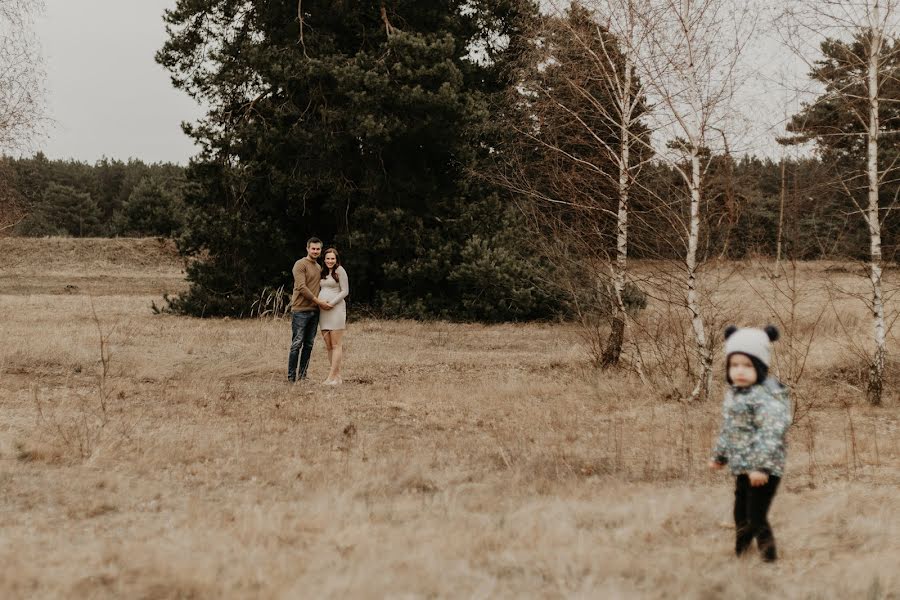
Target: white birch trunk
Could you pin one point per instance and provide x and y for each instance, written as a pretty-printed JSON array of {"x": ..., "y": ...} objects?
[
  {"x": 704, "y": 376},
  {"x": 780, "y": 217},
  {"x": 613, "y": 349},
  {"x": 622, "y": 220},
  {"x": 876, "y": 373}
]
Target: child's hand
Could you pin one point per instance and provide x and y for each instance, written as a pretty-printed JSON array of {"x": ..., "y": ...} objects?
[
  {"x": 715, "y": 465},
  {"x": 758, "y": 478}
]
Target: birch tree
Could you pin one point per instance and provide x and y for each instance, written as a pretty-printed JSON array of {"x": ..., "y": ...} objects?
[
  {"x": 21, "y": 97},
  {"x": 678, "y": 63},
  {"x": 690, "y": 61},
  {"x": 623, "y": 20},
  {"x": 21, "y": 77},
  {"x": 576, "y": 155},
  {"x": 859, "y": 70}
]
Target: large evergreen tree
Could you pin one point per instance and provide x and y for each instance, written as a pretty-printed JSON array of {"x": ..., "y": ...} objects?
[{"x": 357, "y": 122}]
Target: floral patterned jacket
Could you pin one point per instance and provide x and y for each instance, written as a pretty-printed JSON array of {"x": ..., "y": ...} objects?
[{"x": 755, "y": 421}]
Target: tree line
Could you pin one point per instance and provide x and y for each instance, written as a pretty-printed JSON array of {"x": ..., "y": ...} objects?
[
  {"x": 108, "y": 198},
  {"x": 114, "y": 198}
]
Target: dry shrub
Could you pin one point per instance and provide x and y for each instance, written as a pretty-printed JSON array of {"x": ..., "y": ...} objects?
[
  {"x": 662, "y": 346},
  {"x": 73, "y": 428},
  {"x": 272, "y": 303},
  {"x": 73, "y": 425}
]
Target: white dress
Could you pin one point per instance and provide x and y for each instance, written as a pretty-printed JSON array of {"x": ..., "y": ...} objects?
[{"x": 333, "y": 292}]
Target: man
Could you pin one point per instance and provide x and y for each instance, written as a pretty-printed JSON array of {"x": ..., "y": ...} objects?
[{"x": 305, "y": 305}]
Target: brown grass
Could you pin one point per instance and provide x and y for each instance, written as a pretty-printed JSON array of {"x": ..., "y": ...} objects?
[{"x": 456, "y": 461}]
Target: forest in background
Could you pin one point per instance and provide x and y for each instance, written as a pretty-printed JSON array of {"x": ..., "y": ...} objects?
[
  {"x": 114, "y": 198},
  {"x": 109, "y": 198}
]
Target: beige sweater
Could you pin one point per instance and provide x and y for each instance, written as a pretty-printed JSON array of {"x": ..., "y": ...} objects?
[{"x": 307, "y": 281}]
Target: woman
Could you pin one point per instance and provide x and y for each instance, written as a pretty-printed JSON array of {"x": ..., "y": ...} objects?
[{"x": 333, "y": 319}]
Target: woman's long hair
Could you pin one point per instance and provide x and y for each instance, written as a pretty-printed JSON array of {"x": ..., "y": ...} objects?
[{"x": 337, "y": 263}]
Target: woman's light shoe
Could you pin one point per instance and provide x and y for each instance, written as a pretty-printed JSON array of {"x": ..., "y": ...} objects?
[{"x": 332, "y": 382}]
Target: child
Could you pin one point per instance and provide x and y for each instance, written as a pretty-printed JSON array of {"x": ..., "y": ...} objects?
[{"x": 756, "y": 415}]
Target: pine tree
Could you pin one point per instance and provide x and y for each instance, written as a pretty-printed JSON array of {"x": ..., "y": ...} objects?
[
  {"x": 356, "y": 122},
  {"x": 63, "y": 210},
  {"x": 152, "y": 210}
]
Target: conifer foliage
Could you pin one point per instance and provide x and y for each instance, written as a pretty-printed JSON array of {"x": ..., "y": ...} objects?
[{"x": 356, "y": 122}]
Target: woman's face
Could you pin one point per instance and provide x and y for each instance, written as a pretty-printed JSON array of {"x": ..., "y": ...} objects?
[{"x": 330, "y": 260}]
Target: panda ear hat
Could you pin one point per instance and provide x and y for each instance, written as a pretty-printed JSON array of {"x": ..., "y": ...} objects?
[{"x": 751, "y": 341}]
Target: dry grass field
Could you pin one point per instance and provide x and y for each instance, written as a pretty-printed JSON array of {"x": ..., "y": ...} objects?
[{"x": 457, "y": 460}]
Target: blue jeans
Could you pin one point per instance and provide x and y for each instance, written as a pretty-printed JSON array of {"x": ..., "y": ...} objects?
[{"x": 303, "y": 335}]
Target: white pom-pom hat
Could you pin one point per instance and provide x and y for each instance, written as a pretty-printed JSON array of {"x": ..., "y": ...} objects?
[{"x": 751, "y": 341}]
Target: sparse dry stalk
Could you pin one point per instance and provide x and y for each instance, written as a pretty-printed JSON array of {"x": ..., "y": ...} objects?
[
  {"x": 875, "y": 444},
  {"x": 852, "y": 457},
  {"x": 82, "y": 431},
  {"x": 809, "y": 439},
  {"x": 271, "y": 303},
  {"x": 102, "y": 391}
]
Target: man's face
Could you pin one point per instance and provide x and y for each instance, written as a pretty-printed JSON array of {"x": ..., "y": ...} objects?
[{"x": 314, "y": 250}]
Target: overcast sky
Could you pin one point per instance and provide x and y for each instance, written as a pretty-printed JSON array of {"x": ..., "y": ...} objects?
[
  {"x": 105, "y": 93},
  {"x": 108, "y": 97}
]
